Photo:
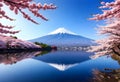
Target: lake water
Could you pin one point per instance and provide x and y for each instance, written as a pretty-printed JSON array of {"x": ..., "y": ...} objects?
[{"x": 59, "y": 66}]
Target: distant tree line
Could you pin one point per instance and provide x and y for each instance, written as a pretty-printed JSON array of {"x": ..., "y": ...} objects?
[{"x": 44, "y": 46}]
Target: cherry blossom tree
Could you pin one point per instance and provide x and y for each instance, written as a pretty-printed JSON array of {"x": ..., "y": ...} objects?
[
  {"x": 111, "y": 43},
  {"x": 18, "y": 6}
]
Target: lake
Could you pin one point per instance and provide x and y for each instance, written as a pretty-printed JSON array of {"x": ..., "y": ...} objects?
[{"x": 57, "y": 66}]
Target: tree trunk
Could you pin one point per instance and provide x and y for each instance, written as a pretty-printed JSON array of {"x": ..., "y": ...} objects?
[{"x": 116, "y": 52}]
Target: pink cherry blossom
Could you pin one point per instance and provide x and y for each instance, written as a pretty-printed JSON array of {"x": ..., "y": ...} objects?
[
  {"x": 111, "y": 43},
  {"x": 17, "y": 6}
]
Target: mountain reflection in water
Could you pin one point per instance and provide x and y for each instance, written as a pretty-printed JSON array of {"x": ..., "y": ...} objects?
[
  {"x": 63, "y": 60},
  {"x": 59, "y": 66}
]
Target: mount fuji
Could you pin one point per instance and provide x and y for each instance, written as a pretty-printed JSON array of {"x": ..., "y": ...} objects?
[{"x": 63, "y": 37}]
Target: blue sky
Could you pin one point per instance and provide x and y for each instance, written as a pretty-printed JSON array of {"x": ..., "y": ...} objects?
[{"x": 70, "y": 14}]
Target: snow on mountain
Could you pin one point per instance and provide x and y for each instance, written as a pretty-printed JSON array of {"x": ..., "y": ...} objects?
[
  {"x": 61, "y": 31},
  {"x": 63, "y": 37},
  {"x": 10, "y": 42},
  {"x": 62, "y": 67}
]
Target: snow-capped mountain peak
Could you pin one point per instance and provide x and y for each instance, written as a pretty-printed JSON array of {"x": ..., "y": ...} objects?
[
  {"x": 61, "y": 31},
  {"x": 64, "y": 38}
]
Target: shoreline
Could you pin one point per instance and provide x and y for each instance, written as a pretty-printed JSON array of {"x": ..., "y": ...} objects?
[{"x": 4, "y": 50}]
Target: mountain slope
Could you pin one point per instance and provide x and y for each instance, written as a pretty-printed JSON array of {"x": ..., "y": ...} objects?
[{"x": 63, "y": 37}]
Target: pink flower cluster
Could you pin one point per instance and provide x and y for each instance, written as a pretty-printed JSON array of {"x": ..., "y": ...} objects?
[
  {"x": 17, "y": 6},
  {"x": 111, "y": 44},
  {"x": 113, "y": 10},
  {"x": 10, "y": 42}
]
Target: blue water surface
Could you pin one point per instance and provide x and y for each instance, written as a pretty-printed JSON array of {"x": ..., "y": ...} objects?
[{"x": 59, "y": 66}]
